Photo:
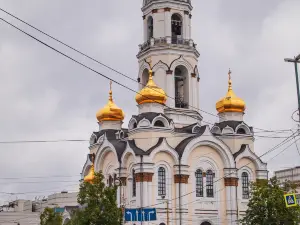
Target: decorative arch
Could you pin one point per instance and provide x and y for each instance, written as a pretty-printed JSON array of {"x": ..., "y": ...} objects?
[
  {"x": 248, "y": 154},
  {"x": 144, "y": 123},
  {"x": 102, "y": 153},
  {"x": 228, "y": 130},
  {"x": 176, "y": 27},
  {"x": 244, "y": 127},
  {"x": 160, "y": 65},
  {"x": 162, "y": 119},
  {"x": 165, "y": 147},
  {"x": 86, "y": 167},
  {"x": 181, "y": 61},
  {"x": 132, "y": 124},
  {"x": 216, "y": 130},
  {"x": 212, "y": 142}
]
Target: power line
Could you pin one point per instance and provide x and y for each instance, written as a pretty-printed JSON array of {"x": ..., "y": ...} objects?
[
  {"x": 93, "y": 59},
  {"x": 259, "y": 158}
]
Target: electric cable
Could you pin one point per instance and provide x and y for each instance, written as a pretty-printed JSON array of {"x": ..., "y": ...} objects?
[{"x": 95, "y": 60}]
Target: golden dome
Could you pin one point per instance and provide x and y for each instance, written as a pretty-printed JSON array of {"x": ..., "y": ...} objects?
[
  {"x": 230, "y": 103},
  {"x": 110, "y": 112},
  {"x": 91, "y": 175},
  {"x": 151, "y": 93}
]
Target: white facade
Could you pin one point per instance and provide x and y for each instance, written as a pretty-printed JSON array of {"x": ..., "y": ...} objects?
[
  {"x": 26, "y": 212},
  {"x": 166, "y": 155}
]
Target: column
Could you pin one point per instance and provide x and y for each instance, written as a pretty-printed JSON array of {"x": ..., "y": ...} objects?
[
  {"x": 143, "y": 176},
  {"x": 186, "y": 25},
  {"x": 181, "y": 180},
  {"x": 167, "y": 22},
  {"x": 231, "y": 185},
  {"x": 170, "y": 88}
]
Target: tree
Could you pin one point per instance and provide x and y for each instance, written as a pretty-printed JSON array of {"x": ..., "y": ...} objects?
[
  {"x": 50, "y": 217},
  {"x": 99, "y": 204},
  {"x": 267, "y": 205}
]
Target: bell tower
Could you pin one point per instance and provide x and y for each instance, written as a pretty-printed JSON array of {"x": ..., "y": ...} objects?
[{"x": 168, "y": 41}]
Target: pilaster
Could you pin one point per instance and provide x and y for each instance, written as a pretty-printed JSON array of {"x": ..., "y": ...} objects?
[{"x": 231, "y": 185}]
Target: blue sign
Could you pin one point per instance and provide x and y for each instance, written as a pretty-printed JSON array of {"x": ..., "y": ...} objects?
[
  {"x": 290, "y": 200},
  {"x": 147, "y": 214},
  {"x": 59, "y": 210}
]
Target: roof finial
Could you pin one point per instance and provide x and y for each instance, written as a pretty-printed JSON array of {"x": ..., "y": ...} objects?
[
  {"x": 110, "y": 91},
  {"x": 150, "y": 71},
  {"x": 229, "y": 80}
]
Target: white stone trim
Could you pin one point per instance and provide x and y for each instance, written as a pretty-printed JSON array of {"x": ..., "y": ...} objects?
[{"x": 165, "y": 147}]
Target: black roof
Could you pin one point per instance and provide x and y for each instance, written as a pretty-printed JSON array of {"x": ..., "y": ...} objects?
[
  {"x": 231, "y": 123},
  {"x": 182, "y": 145},
  {"x": 187, "y": 129},
  {"x": 139, "y": 151},
  {"x": 150, "y": 116}
]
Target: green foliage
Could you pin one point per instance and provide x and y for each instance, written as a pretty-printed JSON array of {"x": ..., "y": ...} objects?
[
  {"x": 99, "y": 204},
  {"x": 267, "y": 205},
  {"x": 49, "y": 217}
]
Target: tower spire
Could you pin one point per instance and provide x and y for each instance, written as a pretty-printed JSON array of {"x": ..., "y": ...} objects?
[{"x": 229, "y": 80}]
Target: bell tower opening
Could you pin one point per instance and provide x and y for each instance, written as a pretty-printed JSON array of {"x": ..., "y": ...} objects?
[
  {"x": 176, "y": 26},
  {"x": 145, "y": 78},
  {"x": 181, "y": 87},
  {"x": 150, "y": 28}
]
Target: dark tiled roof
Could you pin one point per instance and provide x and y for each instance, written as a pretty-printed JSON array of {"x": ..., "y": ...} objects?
[
  {"x": 242, "y": 149},
  {"x": 118, "y": 144},
  {"x": 187, "y": 129},
  {"x": 182, "y": 145},
  {"x": 231, "y": 123},
  {"x": 149, "y": 116},
  {"x": 139, "y": 151}
]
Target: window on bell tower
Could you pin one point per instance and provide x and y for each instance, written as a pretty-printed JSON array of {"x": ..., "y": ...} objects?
[
  {"x": 181, "y": 87},
  {"x": 150, "y": 28},
  {"x": 176, "y": 23}
]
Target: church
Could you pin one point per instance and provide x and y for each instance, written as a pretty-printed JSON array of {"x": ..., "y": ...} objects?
[{"x": 167, "y": 158}]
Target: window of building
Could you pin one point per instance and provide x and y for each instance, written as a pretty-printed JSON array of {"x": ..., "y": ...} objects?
[
  {"x": 133, "y": 184},
  {"x": 159, "y": 123},
  {"x": 205, "y": 223},
  {"x": 241, "y": 131},
  {"x": 181, "y": 87},
  {"x": 199, "y": 183},
  {"x": 209, "y": 184},
  {"x": 150, "y": 27},
  {"x": 245, "y": 185},
  {"x": 176, "y": 23},
  {"x": 161, "y": 181}
]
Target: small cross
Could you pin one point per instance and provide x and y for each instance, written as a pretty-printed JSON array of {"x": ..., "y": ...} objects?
[
  {"x": 110, "y": 84},
  {"x": 229, "y": 74}
]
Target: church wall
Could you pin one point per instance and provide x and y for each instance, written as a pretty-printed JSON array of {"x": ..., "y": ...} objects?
[
  {"x": 235, "y": 143},
  {"x": 108, "y": 164},
  {"x": 205, "y": 158},
  {"x": 165, "y": 160}
]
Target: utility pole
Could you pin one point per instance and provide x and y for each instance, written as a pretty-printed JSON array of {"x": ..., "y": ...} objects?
[{"x": 296, "y": 60}]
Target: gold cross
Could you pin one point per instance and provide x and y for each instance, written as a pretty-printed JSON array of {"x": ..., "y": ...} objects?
[{"x": 229, "y": 74}]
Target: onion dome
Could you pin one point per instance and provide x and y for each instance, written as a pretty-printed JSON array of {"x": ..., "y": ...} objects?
[
  {"x": 110, "y": 112},
  {"x": 91, "y": 175},
  {"x": 151, "y": 93},
  {"x": 230, "y": 103}
]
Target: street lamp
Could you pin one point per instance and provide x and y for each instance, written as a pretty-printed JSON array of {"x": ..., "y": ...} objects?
[{"x": 296, "y": 60}]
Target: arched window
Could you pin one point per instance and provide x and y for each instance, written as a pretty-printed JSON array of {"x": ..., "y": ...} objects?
[
  {"x": 205, "y": 223},
  {"x": 133, "y": 184},
  {"x": 181, "y": 87},
  {"x": 150, "y": 27},
  {"x": 110, "y": 181},
  {"x": 134, "y": 125},
  {"x": 176, "y": 23},
  {"x": 145, "y": 78},
  {"x": 159, "y": 123},
  {"x": 199, "y": 183},
  {"x": 241, "y": 131},
  {"x": 161, "y": 181},
  {"x": 245, "y": 185},
  {"x": 209, "y": 184}
]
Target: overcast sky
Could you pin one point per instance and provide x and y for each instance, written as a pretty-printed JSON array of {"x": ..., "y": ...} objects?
[{"x": 45, "y": 96}]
